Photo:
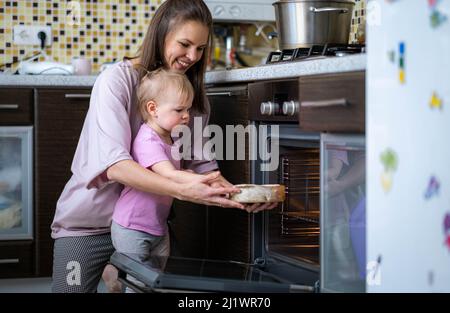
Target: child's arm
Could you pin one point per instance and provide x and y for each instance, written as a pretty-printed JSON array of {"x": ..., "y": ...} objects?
[{"x": 166, "y": 169}]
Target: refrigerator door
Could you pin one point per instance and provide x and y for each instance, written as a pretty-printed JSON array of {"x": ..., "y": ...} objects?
[
  {"x": 176, "y": 274},
  {"x": 408, "y": 150}
]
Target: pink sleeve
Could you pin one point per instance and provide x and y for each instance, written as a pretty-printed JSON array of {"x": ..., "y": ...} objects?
[
  {"x": 149, "y": 152},
  {"x": 106, "y": 135}
]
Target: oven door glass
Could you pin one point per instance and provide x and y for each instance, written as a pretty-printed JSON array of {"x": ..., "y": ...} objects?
[
  {"x": 16, "y": 214},
  {"x": 343, "y": 203},
  {"x": 292, "y": 230},
  {"x": 177, "y": 274}
]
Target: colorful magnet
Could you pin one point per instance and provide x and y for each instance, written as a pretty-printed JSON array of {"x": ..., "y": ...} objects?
[
  {"x": 436, "y": 17},
  {"x": 435, "y": 101},
  {"x": 447, "y": 230},
  {"x": 389, "y": 161},
  {"x": 433, "y": 188},
  {"x": 401, "y": 62},
  {"x": 391, "y": 56}
]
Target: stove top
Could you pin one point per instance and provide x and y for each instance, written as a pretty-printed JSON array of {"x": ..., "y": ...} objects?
[{"x": 327, "y": 50}]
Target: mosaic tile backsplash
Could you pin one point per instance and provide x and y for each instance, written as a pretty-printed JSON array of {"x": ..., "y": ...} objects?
[
  {"x": 103, "y": 30},
  {"x": 99, "y": 30}
]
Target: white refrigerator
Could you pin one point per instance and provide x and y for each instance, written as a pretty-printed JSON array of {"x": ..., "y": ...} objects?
[{"x": 408, "y": 146}]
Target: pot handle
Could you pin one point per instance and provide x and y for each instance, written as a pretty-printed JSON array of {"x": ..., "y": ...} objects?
[{"x": 328, "y": 9}]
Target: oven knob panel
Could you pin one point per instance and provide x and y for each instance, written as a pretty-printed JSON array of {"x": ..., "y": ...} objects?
[
  {"x": 269, "y": 108},
  {"x": 290, "y": 108}
]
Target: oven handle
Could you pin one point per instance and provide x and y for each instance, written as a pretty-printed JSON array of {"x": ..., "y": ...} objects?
[
  {"x": 342, "y": 102},
  {"x": 9, "y": 106},
  {"x": 224, "y": 93}
]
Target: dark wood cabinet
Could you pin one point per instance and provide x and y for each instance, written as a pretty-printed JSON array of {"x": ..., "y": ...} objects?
[
  {"x": 228, "y": 229},
  {"x": 16, "y": 259},
  {"x": 333, "y": 102},
  {"x": 214, "y": 232},
  {"x": 16, "y": 106},
  {"x": 60, "y": 115}
]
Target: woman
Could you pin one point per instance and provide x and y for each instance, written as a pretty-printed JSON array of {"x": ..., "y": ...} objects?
[{"x": 177, "y": 39}]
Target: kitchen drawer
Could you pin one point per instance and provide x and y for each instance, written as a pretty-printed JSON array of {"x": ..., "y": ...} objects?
[
  {"x": 16, "y": 259},
  {"x": 16, "y": 106},
  {"x": 332, "y": 103}
]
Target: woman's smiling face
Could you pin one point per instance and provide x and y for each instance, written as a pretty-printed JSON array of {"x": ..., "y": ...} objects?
[{"x": 185, "y": 45}]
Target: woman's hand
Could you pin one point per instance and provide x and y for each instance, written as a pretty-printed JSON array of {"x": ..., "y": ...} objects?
[
  {"x": 220, "y": 181},
  {"x": 201, "y": 191}
]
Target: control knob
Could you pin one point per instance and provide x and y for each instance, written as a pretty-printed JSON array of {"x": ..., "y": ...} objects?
[
  {"x": 269, "y": 108},
  {"x": 290, "y": 108}
]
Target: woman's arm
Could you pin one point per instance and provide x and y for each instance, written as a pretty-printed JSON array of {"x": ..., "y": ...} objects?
[{"x": 131, "y": 174}]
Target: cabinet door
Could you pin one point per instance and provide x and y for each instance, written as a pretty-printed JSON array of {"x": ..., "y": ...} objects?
[
  {"x": 16, "y": 106},
  {"x": 228, "y": 230},
  {"x": 333, "y": 102},
  {"x": 16, "y": 259},
  {"x": 59, "y": 119}
]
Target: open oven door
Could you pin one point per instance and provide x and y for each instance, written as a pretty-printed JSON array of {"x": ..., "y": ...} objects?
[{"x": 177, "y": 274}]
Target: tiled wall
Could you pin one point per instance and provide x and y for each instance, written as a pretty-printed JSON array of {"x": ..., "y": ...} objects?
[
  {"x": 106, "y": 29},
  {"x": 357, "y": 30}
]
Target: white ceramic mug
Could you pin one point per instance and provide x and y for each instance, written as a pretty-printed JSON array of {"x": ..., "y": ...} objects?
[{"x": 82, "y": 66}]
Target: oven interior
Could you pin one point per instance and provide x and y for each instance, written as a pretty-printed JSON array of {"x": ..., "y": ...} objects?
[{"x": 293, "y": 228}]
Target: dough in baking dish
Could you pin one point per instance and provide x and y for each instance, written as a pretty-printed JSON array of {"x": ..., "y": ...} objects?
[{"x": 259, "y": 193}]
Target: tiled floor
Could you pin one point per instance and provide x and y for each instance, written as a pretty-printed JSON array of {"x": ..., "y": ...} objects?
[{"x": 32, "y": 285}]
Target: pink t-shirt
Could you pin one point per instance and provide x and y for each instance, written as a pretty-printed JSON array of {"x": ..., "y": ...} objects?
[
  {"x": 139, "y": 210},
  {"x": 86, "y": 204}
]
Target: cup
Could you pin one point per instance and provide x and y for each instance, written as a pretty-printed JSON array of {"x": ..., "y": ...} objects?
[{"x": 82, "y": 66}]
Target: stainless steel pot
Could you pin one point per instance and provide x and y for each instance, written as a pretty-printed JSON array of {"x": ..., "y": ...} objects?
[{"x": 305, "y": 23}]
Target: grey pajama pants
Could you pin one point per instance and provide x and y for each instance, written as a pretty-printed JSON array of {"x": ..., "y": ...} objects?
[{"x": 78, "y": 262}]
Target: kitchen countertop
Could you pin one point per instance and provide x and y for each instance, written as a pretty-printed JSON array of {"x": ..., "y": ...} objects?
[{"x": 319, "y": 65}]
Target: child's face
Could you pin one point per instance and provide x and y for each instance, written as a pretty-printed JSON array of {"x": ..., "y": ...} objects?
[{"x": 172, "y": 110}]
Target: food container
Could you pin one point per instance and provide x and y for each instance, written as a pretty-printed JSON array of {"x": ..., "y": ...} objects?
[{"x": 259, "y": 193}]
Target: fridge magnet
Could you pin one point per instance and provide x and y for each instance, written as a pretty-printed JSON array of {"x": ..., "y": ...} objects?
[
  {"x": 401, "y": 62},
  {"x": 389, "y": 161},
  {"x": 435, "y": 101},
  {"x": 433, "y": 188},
  {"x": 447, "y": 230},
  {"x": 436, "y": 17},
  {"x": 391, "y": 56},
  {"x": 430, "y": 278}
]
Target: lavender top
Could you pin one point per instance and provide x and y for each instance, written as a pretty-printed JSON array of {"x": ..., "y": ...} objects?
[{"x": 86, "y": 204}]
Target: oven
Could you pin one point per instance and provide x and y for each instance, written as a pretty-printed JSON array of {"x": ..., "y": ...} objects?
[{"x": 305, "y": 244}]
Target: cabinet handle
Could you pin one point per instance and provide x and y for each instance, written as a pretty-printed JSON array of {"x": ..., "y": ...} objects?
[
  {"x": 325, "y": 103},
  {"x": 225, "y": 93},
  {"x": 77, "y": 96},
  {"x": 9, "y": 106},
  {"x": 9, "y": 261}
]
